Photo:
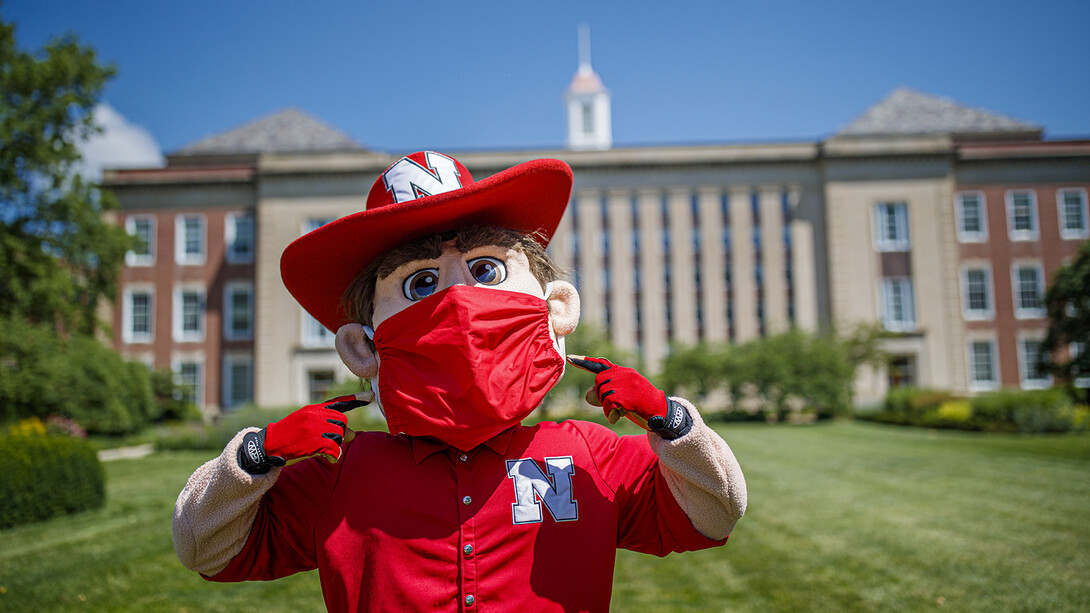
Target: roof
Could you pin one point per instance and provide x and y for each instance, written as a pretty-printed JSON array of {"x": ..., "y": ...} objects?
[
  {"x": 585, "y": 81},
  {"x": 290, "y": 130},
  {"x": 906, "y": 111}
]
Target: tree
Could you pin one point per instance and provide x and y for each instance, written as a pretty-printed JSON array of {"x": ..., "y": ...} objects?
[
  {"x": 1068, "y": 303},
  {"x": 59, "y": 254}
]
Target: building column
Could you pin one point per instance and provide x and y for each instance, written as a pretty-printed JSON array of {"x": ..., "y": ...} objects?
[
  {"x": 591, "y": 258},
  {"x": 652, "y": 285},
  {"x": 560, "y": 248},
  {"x": 744, "y": 290},
  {"x": 773, "y": 260},
  {"x": 803, "y": 269},
  {"x": 712, "y": 266},
  {"x": 622, "y": 295},
  {"x": 682, "y": 283}
]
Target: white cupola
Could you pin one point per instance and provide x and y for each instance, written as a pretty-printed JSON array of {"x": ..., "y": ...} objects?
[{"x": 589, "y": 123}]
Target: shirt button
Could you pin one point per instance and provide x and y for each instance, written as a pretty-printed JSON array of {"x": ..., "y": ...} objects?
[
  {"x": 468, "y": 549},
  {"x": 470, "y": 599},
  {"x": 464, "y": 457},
  {"x": 467, "y": 501}
]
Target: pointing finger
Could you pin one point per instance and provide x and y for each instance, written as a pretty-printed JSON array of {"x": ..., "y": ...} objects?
[{"x": 594, "y": 365}]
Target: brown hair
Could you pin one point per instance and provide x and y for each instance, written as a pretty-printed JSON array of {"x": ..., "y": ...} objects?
[{"x": 358, "y": 301}]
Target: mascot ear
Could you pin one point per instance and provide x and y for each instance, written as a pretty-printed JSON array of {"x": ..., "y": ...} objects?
[
  {"x": 355, "y": 352},
  {"x": 563, "y": 303}
]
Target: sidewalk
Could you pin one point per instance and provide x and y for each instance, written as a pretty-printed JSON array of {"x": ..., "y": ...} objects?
[{"x": 126, "y": 453}]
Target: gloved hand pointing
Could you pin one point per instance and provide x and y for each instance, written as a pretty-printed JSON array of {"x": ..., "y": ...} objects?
[
  {"x": 622, "y": 391},
  {"x": 316, "y": 430}
]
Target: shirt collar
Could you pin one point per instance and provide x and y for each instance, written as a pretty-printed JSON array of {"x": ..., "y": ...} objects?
[{"x": 425, "y": 446}]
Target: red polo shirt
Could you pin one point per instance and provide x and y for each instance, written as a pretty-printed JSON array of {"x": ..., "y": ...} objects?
[{"x": 528, "y": 521}]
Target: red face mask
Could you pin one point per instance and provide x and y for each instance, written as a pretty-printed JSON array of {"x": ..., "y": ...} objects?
[{"x": 465, "y": 364}]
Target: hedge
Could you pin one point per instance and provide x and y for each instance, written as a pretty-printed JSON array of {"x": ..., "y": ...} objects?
[
  {"x": 1005, "y": 410},
  {"x": 43, "y": 476}
]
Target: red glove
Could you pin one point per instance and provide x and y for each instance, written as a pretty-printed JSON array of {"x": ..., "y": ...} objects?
[
  {"x": 314, "y": 430},
  {"x": 622, "y": 391}
]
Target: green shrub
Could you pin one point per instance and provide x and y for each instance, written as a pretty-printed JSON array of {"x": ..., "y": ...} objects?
[
  {"x": 43, "y": 476},
  {"x": 44, "y": 374},
  {"x": 1004, "y": 410}
]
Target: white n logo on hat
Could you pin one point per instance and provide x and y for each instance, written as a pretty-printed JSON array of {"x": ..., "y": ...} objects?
[{"x": 408, "y": 180}]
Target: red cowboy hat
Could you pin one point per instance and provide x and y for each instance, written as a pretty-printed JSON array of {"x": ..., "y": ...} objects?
[{"x": 420, "y": 194}]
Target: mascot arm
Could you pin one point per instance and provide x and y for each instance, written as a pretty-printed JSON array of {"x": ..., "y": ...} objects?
[
  {"x": 216, "y": 509},
  {"x": 703, "y": 476}
]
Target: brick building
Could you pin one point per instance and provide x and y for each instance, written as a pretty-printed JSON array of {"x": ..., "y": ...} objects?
[{"x": 941, "y": 222}]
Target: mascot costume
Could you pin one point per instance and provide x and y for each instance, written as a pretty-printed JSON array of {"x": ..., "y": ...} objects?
[{"x": 441, "y": 294}]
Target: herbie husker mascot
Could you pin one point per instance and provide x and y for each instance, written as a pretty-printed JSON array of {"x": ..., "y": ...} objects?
[{"x": 442, "y": 295}]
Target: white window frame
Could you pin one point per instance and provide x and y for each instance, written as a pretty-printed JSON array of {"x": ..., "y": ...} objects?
[
  {"x": 902, "y": 242},
  {"x": 1073, "y": 351},
  {"x": 968, "y": 313},
  {"x": 230, "y": 236},
  {"x": 1023, "y": 235},
  {"x": 127, "y": 334},
  {"x": 180, "y": 256},
  {"x": 313, "y": 334},
  {"x": 176, "y": 367},
  {"x": 907, "y": 323},
  {"x": 1061, "y": 214},
  {"x": 137, "y": 259},
  {"x": 230, "y": 359},
  {"x": 980, "y": 385},
  {"x": 1021, "y": 312},
  {"x": 188, "y": 336},
  {"x": 1024, "y": 363},
  {"x": 229, "y": 290},
  {"x": 965, "y": 236},
  {"x": 311, "y": 224}
]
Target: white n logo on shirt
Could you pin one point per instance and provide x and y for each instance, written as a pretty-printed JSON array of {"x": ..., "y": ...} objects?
[
  {"x": 408, "y": 180},
  {"x": 532, "y": 488}
]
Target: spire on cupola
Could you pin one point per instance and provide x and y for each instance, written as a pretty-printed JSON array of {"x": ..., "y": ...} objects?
[{"x": 589, "y": 122}]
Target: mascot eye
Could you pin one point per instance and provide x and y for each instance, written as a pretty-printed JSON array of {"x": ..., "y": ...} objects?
[
  {"x": 421, "y": 284},
  {"x": 488, "y": 271}
]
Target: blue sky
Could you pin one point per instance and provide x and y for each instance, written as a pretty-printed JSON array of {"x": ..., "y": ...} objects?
[{"x": 402, "y": 76}]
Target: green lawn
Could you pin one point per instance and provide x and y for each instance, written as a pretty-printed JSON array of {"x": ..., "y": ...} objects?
[{"x": 842, "y": 517}]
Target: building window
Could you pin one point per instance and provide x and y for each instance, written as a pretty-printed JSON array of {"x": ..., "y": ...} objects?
[
  {"x": 313, "y": 223},
  {"x": 143, "y": 228},
  {"x": 972, "y": 217},
  {"x": 238, "y": 311},
  {"x": 315, "y": 334},
  {"x": 891, "y": 227},
  {"x": 1022, "y": 215},
  {"x": 320, "y": 384},
  {"x": 982, "y": 362},
  {"x": 976, "y": 288},
  {"x": 902, "y": 371},
  {"x": 188, "y": 314},
  {"x": 238, "y": 379},
  {"x": 188, "y": 376},
  {"x": 1028, "y": 281},
  {"x": 1032, "y": 371},
  {"x": 588, "y": 118},
  {"x": 1071, "y": 204},
  {"x": 1082, "y": 379},
  {"x": 189, "y": 241},
  {"x": 239, "y": 236},
  {"x": 898, "y": 310},
  {"x": 138, "y": 315}
]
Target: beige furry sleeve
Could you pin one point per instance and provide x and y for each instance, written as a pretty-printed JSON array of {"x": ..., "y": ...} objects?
[
  {"x": 216, "y": 509},
  {"x": 703, "y": 476}
]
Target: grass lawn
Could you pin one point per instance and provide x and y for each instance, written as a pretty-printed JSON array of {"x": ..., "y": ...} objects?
[{"x": 842, "y": 517}]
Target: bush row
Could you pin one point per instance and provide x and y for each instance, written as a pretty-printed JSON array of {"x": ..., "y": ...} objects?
[
  {"x": 45, "y": 475},
  {"x": 1027, "y": 411},
  {"x": 44, "y": 374}
]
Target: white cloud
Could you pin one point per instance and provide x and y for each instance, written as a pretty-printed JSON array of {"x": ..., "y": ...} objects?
[{"x": 121, "y": 144}]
